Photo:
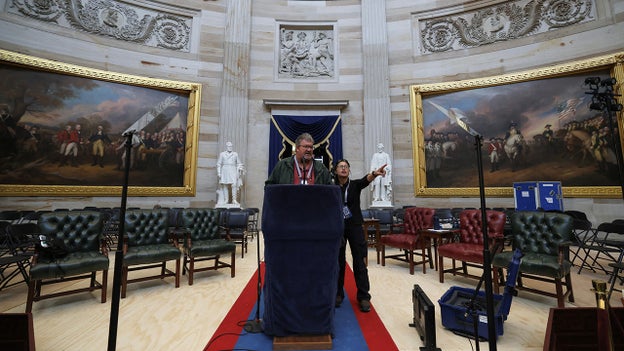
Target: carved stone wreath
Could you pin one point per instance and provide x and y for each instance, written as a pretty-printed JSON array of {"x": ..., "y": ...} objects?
[
  {"x": 505, "y": 21},
  {"x": 113, "y": 19}
]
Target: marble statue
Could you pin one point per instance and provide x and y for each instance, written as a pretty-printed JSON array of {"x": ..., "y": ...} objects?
[
  {"x": 381, "y": 187},
  {"x": 230, "y": 170}
]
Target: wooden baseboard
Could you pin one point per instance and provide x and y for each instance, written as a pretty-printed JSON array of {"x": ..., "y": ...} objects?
[{"x": 303, "y": 342}]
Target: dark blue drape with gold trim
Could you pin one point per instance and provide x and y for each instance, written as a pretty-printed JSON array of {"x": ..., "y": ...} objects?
[{"x": 288, "y": 128}]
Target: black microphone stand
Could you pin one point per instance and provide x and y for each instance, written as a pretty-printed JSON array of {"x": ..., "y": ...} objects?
[
  {"x": 114, "y": 315},
  {"x": 487, "y": 268},
  {"x": 255, "y": 326}
]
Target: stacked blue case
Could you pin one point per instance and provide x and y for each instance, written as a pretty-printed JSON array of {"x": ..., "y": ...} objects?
[{"x": 531, "y": 196}]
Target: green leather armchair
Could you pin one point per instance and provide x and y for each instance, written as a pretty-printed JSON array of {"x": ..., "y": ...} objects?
[
  {"x": 81, "y": 233},
  {"x": 544, "y": 239},
  {"x": 148, "y": 244},
  {"x": 203, "y": 242}
]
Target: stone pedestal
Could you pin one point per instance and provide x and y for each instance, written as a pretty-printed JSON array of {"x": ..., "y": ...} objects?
[
  {"x": 227, "y": 206},
  {"x": 381, "y": 204}
]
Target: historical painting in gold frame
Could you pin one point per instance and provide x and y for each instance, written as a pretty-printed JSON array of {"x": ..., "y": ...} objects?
[
  {"x": 62, "y": 125},
  {"x": 537, "y": 123}
]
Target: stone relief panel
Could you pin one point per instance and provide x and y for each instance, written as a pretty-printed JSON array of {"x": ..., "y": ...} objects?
[
  {"x": 504, "y": 21},
  {"x": 306, "y": 52},
  {"x": 115, "y": 19}
]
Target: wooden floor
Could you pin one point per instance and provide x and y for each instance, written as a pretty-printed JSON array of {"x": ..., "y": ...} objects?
[{"x": 156, "y": 316}]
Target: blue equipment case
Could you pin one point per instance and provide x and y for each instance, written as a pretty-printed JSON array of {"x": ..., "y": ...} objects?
[
  {"x": 455, "y": 302},
  {"x": 531, "y": 196}
]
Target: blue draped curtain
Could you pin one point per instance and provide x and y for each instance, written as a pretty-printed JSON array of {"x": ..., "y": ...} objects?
[{"x": 324, "y": 129}]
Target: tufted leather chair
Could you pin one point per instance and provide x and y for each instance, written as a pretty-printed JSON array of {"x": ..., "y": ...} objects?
[
  {"x": 148, "y": 244},
  {"x": 469, "y": 247},
  {"x": 409, "y": 239},
  {"x": 203, "y": 242},
  {"x": 236, "y": 226},
  {"x": 544, "y": 239},
  {"x": 81, "y": 232}
]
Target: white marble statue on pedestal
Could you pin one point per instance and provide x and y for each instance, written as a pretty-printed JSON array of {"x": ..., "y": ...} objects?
[
  {"x": 381, "y": 187},
  {"x": 230, "y": 172}
]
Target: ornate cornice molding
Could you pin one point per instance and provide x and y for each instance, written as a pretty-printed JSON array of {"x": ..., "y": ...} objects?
[
  {"x": 503, "y": 21},
  {"x": 115, "y": 19}
]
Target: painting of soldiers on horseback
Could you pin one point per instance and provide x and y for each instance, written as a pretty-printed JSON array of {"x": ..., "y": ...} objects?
[
  {"x": 541, "y": 129},
  {"x": 64, "y": 130}
]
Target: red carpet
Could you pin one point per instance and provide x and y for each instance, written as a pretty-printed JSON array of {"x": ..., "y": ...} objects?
[{"x": 226, "y": 336}]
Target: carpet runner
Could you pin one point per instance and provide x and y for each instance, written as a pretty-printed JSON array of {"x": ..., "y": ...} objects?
[{"x": 353, "y": 330}]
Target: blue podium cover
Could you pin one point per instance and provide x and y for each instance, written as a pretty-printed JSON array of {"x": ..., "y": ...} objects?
[{"x": 303, "y": 227}]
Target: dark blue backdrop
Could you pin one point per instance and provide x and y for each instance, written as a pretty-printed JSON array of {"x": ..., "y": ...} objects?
[{"x": 322, "y": 128}]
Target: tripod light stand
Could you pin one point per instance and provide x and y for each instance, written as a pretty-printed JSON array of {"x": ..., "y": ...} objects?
[
  {"x": 255, "y": 326},
  {"x": 487, "y": 260},
  {"x": 603, "y": 99}
]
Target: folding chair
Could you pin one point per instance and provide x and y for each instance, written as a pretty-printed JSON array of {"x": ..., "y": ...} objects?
[
  {"x": 604, "y": 248},
  {"x": 14, "y": 261}
]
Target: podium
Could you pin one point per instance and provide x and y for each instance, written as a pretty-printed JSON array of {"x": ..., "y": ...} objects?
[
  {"x": 584, "y": 328},
  {"x": 303, "y": 227}
]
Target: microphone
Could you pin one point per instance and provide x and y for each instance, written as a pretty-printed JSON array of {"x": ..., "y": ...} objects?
[{"x": 128, "y": 132}]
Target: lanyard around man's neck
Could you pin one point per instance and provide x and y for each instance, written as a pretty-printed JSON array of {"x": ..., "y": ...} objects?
[{"x": 302, "y": 171}]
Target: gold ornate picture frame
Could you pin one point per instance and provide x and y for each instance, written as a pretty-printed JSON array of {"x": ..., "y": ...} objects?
[
  {"x": 61, "y": 131},
  {"x": 560, "y": 138}
]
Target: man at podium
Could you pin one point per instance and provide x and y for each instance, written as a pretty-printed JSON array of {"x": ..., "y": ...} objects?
[
  {"x": 302, "y": 168},
  {"x": 301, "y": 251}
]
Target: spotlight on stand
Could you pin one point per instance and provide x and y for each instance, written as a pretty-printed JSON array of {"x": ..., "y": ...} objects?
[
  {"x": 592, "y": 80},
  {"x": 596, "y": 105},
  {"x": 603, "y": 99}
]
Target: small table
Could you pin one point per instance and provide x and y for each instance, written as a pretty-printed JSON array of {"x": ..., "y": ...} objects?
[
  {"x": 438, "y": 237},
  {"x": 374, "y": 223}
]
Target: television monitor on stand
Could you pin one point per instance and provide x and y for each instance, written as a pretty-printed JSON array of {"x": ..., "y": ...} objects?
[{"x": 424, "y": 319}]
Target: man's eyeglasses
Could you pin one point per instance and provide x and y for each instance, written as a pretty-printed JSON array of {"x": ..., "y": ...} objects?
[
  {"x": 307, "y": 147},
  {"x": 342, "y": 167}
]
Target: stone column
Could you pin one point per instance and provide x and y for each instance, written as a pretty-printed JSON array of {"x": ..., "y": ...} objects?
[
  {"x": 235, "y": 89},
  {"x": 377, "y": 121}
]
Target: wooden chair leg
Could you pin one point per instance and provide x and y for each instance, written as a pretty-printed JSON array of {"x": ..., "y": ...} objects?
[
  {"x": 559, "y": 289},
  {"x": 92, "y": 280},
  {"x": 568, "y": 281},
  {"x": 430, "y": 257},
  {"x": 104, "y": 284},
  {"x": 424, "y": 260},
  {"x": 124, "y": 281},
  {"x": 383, "y": 255},
  {"x": 191, "y": 269},
  {"x": 411, "y": 262},
  {"x": 495, "y": 280},
  {"x": 31, "y": 295},
  {"x": 233, "y": 264},
  {"x": 177, "y": 273},
  {"x": 441, "y": 267}
]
